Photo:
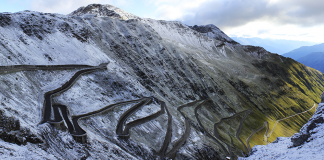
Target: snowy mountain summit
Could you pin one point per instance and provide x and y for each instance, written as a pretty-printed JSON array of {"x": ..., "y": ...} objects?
[
  {"x": 101, "y": 83},
  {"x": 107, "y": 10},
  {"x": 100, "y": 10}
]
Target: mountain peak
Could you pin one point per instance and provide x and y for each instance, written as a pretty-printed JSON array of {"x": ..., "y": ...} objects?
[
  {"x": 103, "y": 10},
  {"x": 214, "y": 32}
]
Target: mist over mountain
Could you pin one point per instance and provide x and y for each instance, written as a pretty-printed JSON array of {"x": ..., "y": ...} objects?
[
  {"x": 279, "y": 46},
  {"x": 101, "y": 83}
]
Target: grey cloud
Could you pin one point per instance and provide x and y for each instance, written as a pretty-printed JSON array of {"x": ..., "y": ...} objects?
[
  {"x": 263, "y": 31},
  {"x": 234, "y": 13}
]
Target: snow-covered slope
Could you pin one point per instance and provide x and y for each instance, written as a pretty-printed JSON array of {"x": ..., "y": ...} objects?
[
  {"x": 307, "y": 144},
  {"x": 38, "y": 38},
  {"x": 146, "y": 58}
]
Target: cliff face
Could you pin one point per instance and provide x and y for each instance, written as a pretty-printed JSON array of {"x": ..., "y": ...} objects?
[{"x": 146, "y": 58}]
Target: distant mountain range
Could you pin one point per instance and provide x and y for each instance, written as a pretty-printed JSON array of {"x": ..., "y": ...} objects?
[
  {"x": 278, "y": 46},
  {"x": 312, "y": 56},
  {"x": 303, "y": 51},
  {"x": 314, "y": 60}
]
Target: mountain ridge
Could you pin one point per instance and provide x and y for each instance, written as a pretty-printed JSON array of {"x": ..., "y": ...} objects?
[
  {"x": 214, "y": 32},
  {"x": 100, "y": 10}
]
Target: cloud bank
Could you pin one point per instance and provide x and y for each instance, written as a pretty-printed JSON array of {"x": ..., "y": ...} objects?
[
  {"x": 234, "y": 13},
  {"x": 277, "y": 19}
]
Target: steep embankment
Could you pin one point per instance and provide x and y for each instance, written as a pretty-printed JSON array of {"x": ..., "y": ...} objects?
[
  {"x": 307, "y": 144},
  {"x": 148, "y": 58}
]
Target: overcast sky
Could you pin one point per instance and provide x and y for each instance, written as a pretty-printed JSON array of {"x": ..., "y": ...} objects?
[{"x": 277, "y": 19}]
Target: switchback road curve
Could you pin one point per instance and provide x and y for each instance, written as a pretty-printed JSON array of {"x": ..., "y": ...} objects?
[
  {"x": 287, "y": 118},
  {"x": 61, "y": 113},
  {"x": 18, "y": 68},
  {"x": 266, "y": 124},
  {"x": 248, "y": 111},
  {"x": 206, "y": 132}
]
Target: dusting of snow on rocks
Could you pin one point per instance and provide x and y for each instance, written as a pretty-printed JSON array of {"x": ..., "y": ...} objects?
[
  {"x": 214, "y": 32},
  {"x": 100, "y": 10}
]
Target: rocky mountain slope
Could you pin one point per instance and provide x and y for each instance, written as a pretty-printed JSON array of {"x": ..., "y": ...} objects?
[{"x": 167, "y": 91}]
